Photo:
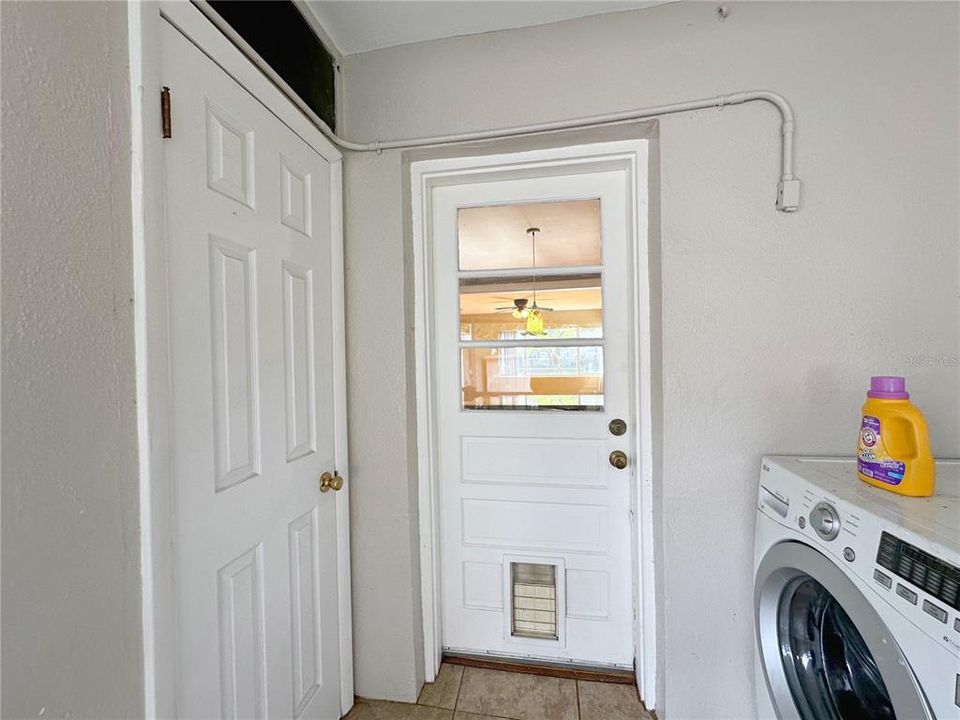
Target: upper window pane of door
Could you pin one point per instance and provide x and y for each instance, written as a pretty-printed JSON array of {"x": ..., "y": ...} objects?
[{"x": 495, "y": 237}]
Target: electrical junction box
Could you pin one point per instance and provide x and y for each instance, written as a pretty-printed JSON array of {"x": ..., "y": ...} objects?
[{"x": 788, "y": 195}]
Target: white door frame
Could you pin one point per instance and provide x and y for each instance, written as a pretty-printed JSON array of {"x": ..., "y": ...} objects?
[
  {"x": 631, "y": 158},
  {"x": 150, "y": 299}
]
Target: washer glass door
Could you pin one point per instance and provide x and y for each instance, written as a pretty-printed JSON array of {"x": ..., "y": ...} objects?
[
  {"x": 829, "y": 668},
  {"x": 825, "y": 652}
]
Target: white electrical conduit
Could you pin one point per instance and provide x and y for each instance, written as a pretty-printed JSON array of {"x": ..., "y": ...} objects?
[{"x": 788, "y": 189}]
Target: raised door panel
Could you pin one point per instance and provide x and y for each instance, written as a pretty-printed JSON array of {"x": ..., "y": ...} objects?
[
  {"x": 305, "y": 609},
  {"x": 299, "y": 364},
  {"x": 243, "y": 688},
  {"x": 295, "y": 197},
  {"x": 230, "y": 169},
  {"x": 236, "y": 417},
  {"x": 545, "y": 462},
  {"x": 535, "y": 525}
]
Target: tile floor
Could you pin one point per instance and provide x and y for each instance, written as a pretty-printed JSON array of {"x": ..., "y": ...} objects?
[{"x": 466, "y": 693}]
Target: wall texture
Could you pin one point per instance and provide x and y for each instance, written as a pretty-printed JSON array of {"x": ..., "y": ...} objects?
[
  {"x": 772, "y": 323},
  {"x": 384, "y": 533},
  {"x": 70, "y": 577}
]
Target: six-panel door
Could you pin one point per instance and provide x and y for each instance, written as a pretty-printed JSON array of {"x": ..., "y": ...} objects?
[{"x": 249, "y": 253}]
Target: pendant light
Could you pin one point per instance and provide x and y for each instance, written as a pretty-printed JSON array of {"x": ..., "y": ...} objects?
[{"x": 534, "y": 315}]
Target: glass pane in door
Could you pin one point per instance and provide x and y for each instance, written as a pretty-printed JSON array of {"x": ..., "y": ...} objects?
[
  {"x": 532, "y": 378},
  {"x": 517, "y": 309},
  {"x": 531, "y": 306}
]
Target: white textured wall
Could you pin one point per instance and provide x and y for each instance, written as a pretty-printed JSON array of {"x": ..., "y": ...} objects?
[
  {"x": 772, "y": 323},
  {"x": 384, "y": 535},
  {"x": 70, "y": 565}
]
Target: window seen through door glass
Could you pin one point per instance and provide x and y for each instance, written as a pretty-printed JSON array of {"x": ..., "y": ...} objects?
[
  {"x": 532, "y": 378},
  {"x": 512, "y": 324}
]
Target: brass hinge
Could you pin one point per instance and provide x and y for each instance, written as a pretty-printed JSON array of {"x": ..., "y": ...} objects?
[{"x": 165, "y": 112}]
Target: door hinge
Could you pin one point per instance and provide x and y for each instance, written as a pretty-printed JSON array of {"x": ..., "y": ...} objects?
[{"x": 165, "y": 112}]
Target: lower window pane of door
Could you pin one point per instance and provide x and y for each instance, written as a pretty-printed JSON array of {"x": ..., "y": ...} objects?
[{"x": 532, "y": 378}]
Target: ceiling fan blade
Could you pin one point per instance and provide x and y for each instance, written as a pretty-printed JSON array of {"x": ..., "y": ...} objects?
[{"x": 545, "y": 309}]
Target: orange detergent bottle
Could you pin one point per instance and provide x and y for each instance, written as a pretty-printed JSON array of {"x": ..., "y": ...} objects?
[{"x": 893, "y": 452}]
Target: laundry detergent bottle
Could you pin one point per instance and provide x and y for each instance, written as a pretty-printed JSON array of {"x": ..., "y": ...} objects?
[{"x": 893, "y": 451}]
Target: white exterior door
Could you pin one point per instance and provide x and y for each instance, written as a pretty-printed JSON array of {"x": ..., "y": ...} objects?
[
  {"x": 248, "y": 206},
  {"x": 531, "y": 299}
]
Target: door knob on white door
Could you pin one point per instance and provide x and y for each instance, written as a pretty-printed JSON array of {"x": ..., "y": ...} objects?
[
  {"x": 330, "y": 482},
  {"x": 618, "y": 458}
]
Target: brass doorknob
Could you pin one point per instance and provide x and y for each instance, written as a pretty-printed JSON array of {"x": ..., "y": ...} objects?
[
  {"x": 330, "y": 482},
  {"x": 618, "y": 458}
]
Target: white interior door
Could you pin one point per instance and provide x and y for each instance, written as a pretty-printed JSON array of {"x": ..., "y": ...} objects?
[
  {"x": 252, "y": 389},
  {"x": 535, "y": 520}
]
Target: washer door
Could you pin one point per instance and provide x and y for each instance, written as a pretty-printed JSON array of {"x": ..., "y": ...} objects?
[{"x": 826, "y": 653}]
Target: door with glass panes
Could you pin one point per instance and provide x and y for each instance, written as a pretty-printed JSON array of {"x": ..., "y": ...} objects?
[{"x": 531, "y": 298}]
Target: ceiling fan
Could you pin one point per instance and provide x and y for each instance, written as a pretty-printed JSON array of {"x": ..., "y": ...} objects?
[{"x": 522, "y": 309}]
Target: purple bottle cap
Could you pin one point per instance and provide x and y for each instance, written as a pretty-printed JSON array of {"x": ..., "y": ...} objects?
[{"x": 888, "y": 387}]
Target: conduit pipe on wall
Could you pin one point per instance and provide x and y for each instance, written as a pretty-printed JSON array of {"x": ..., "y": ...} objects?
[{"x": 788, "y": 188}]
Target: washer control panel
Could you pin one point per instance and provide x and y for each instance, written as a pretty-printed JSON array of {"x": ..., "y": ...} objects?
[{"x": 900, "y": 572}]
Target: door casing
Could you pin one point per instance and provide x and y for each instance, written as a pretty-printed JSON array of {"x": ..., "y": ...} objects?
[
  {"x": 152, "y": 370},
  {"x": 630, "y": 157}
]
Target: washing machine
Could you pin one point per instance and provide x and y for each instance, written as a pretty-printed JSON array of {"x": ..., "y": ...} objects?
[{"x": 856, "y": 595}]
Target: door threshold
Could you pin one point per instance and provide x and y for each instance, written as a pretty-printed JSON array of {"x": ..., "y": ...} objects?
[{"x": 541, "y": 667}]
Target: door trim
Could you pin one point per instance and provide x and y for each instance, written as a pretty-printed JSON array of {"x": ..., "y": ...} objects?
[
  {"x": 630, "y": 157},
  {"x": 144, "y": 24}
]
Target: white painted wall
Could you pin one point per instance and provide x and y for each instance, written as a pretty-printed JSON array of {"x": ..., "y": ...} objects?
[
  {"x": 70, "y": 565},
  {"x": 772, "y": 323},
  {"x": 381, "y": 412}
]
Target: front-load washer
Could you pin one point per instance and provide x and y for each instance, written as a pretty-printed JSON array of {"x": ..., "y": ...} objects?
[{"x": 856, "y": 595}]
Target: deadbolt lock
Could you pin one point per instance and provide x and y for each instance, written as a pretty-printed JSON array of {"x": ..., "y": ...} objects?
[
  {"x": 618, "y": 458},
  {"x": 330, "y": 482},
  {"x": 617, "y": 427}
]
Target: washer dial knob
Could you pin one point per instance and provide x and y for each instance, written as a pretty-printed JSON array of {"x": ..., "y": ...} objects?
[{"x": 825, "y": 520}]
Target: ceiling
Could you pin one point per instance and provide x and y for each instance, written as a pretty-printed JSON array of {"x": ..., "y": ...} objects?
[
  {"x": 356, "y": 27},
  {"x": 495, "y": 237}
]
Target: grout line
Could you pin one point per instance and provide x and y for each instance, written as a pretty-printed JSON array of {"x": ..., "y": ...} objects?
[
  {"x": 577, "y": 686},
  {"x": 456, "y": 702}
]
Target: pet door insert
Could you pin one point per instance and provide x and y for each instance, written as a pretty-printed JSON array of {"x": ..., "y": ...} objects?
[{"x": 534, "y": 595}]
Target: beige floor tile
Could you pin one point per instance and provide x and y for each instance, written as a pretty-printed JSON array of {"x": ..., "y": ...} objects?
[
  {"x": 517, "y": 696},
  {"x": 443, "y": 692},
  {"x": 606, "y": 701},
  {"x": 473, "y": 716},
  {"x": 383, "y": 710}
]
